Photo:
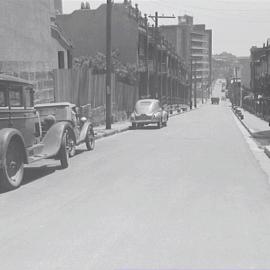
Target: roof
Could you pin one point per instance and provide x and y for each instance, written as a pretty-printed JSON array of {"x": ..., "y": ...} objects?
[
  {"x": 8, "y": 78},
  {"x": 150, "y": 100},
  {"x": 55, "y": 104}
]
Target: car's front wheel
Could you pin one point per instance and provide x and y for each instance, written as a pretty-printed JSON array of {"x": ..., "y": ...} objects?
[
  {"x": 71, "y": 144},
  {"x": 90, "y": 139},
  {"x": 11, "y": 174},
  {"x": 159, "y": 124},
  {"x": 64, "y": 152}
]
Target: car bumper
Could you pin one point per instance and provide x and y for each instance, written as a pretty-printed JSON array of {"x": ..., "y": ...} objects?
[{"x": 150, "y": 121}]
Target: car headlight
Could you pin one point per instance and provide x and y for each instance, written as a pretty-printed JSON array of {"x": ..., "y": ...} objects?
[{"x": 83, "y": 119}]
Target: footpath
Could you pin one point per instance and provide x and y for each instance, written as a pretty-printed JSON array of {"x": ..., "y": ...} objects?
[{"x": 259, "y": 129}]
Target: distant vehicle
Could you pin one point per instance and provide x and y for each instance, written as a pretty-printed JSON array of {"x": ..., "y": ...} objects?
[
  {"x": 215, "y": 100},
  {"x": 80, "y": 129},
  {"x": 25, "y": 137},
  {"x": 149, "y": 111}
]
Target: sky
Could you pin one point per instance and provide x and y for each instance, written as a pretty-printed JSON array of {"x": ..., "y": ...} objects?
[{"x": 237, "y": 24}]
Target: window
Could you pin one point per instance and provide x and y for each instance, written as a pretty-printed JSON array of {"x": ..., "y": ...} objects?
[
  {"x": 15, "y": 96},
  {"x": 29, "y": 101},
  {"x": 2, "y": 98},
  {"x": 61, "y": 59}
]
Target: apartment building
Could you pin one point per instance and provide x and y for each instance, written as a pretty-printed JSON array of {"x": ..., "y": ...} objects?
[{"x": 193, "y": 42}]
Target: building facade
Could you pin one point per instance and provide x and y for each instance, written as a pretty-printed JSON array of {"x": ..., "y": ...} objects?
[
  {"x": 260, "y": 70},
  {"x": 193, "y": 43},
  {"x": 161, "y": 72},
  {"x": 31, "y": 43}
]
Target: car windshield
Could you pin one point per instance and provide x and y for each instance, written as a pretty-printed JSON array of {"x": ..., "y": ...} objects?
[{"x": 144, "y": 107}]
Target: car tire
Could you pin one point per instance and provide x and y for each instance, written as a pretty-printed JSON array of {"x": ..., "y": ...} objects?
[
  {"x": 165, "y": 124},
  {"x": 64, "y": 152},
  {"x": 11, "y": 174},
  {"x": 90, "y": 139},
  {"x": 134, "y": 126},
  {"x": 71, "y": 143}
]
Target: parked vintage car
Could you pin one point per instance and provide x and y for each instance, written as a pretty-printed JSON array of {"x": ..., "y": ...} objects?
[
  {"x": 149, "y": 111},
  {"x": 24, "y": 139},
  {"x": 80, "y": 129}
]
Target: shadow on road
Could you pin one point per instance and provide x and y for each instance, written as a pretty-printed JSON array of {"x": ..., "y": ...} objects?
[
  {"x": 145, "y": 127},
  {"x": 34, "y": 174}
]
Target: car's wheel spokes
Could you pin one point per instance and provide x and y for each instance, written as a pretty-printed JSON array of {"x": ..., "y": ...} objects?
[{"x": 14, "y": 164}]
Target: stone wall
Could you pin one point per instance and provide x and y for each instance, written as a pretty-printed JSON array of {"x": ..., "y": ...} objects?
[{"x": 27, "y": 48}]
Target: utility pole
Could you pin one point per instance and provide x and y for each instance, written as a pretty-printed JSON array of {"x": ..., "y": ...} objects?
[
  {"x": 195, "y": 85},
  {"x": 155, "y": 18},
  {"x": 147, "y": 56},
  {"x": 191, "y": 84},
  {"x": 203, "y": 85},
  {"x": 108, "y": 64}
]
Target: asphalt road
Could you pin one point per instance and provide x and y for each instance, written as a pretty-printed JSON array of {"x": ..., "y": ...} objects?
[{"x": 188, "y": 196}]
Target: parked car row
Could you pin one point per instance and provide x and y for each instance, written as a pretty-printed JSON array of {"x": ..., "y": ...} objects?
[
  {"x": 31, "y": 133},
  {"x": 238, "y": 112}
]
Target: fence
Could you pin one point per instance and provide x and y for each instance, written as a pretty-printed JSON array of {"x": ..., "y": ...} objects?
[
  {"x": 85, "y": 89},
  {"x": 259, "y": 107}
]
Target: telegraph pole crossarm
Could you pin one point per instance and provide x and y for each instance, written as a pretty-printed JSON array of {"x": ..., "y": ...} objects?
[{"x": 156, "y": 18}]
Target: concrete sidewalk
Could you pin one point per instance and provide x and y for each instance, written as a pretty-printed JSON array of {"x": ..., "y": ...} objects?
[
  {"x": 254, "y": 124},
  {"x": 259, "y": 129}
]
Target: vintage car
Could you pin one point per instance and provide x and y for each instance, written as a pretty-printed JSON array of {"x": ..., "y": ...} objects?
[
  {"x": 215, "y": 100},
  {"x": 24, "y": 139},
  {"x": 80, "y": 129},
  {"x": 149, "y": 111}
]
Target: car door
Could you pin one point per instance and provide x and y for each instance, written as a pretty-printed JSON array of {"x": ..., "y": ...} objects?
[
  {"x": 4, "y": 111},
  {"x": 22, "y": 114}
]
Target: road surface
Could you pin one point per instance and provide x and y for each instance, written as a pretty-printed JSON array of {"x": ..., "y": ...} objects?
[{"x": 188, "y": 196}]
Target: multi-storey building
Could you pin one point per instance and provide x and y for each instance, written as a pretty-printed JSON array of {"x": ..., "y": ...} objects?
[
  {"x": 193, "y": 43},
  {"x": 162, "y": 73},
  {"x": 201, "y": 57}
]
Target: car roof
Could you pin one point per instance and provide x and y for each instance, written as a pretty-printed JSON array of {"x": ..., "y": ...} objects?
[
  {"x": 12, "y": 79},
  {"x": 149, "y": 100},
  {"x": 56, "y": 104}
]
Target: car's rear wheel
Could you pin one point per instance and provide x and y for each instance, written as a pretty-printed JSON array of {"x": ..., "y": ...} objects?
[
  {"x": 64, "y": 152},
  {"x": 11, "y": 174},
  {"x": 90, "y": 139}
]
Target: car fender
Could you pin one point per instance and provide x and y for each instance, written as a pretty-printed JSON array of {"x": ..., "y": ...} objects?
[
  {"x": 6, "y": 135},
  {"x": 84, "y": 129},
  {"x": 165, "y": 116},
  {"x": 53, "y": 138}
]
